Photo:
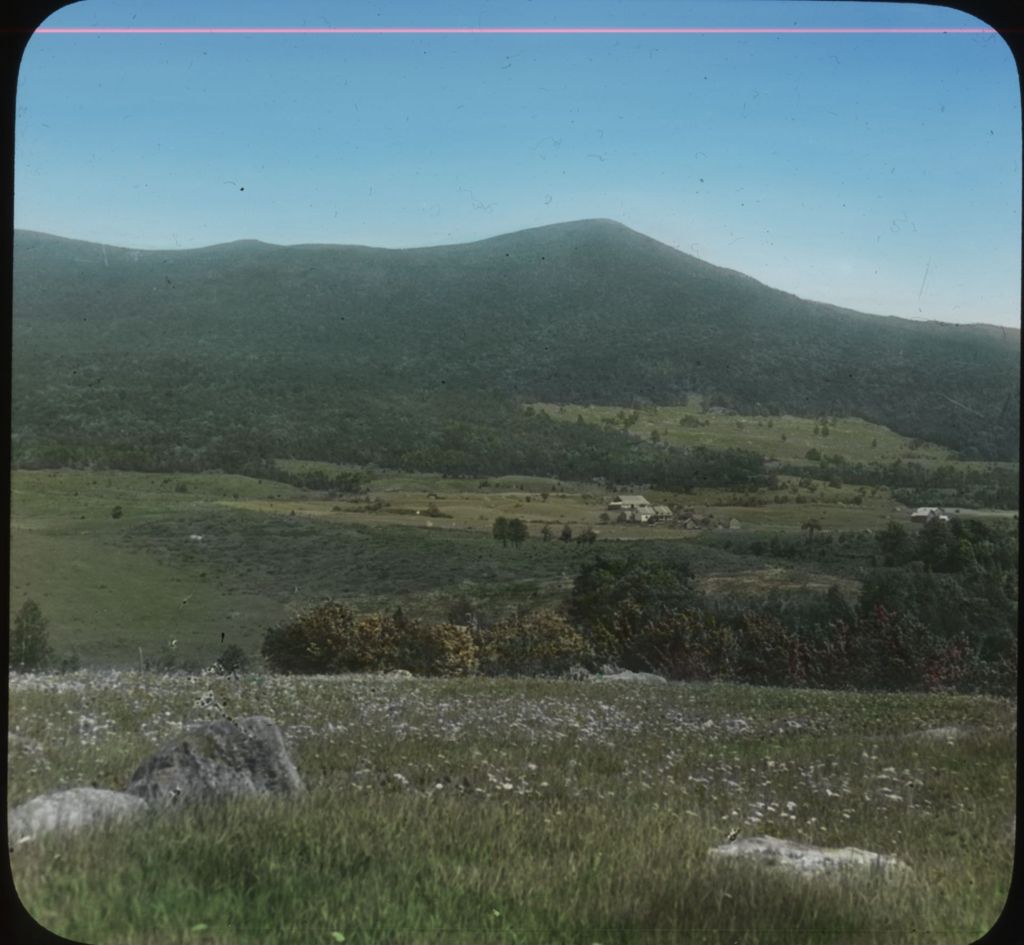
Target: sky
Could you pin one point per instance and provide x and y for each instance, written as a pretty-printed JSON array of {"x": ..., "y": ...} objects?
[{"x": 881, "y": 172}]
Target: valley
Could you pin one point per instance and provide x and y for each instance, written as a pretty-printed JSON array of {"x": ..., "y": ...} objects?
[{"x": 194, "y": 556}]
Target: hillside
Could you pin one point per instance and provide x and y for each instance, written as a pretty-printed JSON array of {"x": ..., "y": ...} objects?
[{"x": 418, "y": 357}]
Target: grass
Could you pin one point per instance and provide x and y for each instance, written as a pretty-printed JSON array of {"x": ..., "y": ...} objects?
[
  {"x": 784, "y": 438},
  {"x": 524, "y": 810},
  {"x": 264, "y": 550}
]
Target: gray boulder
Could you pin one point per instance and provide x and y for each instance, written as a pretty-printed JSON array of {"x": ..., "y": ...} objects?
[
  {"x": 626, "y": 675},
  {"x": 225, "y": 758},
  {"x": 808, "y": 860},
  {"x": 69, "y": 810},
  {"x": 948, "y": 733}
]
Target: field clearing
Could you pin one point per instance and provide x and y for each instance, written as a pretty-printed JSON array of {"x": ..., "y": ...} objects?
[
  {"x": 785, "y": 438},
  {"x": 121, "y": 560},
  {"x": 584, "y": 812},
  {"x": 764, "y": 580}
]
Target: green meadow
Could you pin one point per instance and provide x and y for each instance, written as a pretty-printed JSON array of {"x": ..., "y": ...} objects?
[
  {"x": 521, "y": 811},
  {"x": 121, "y": 563},
  {"x": 785, "y": 438}
]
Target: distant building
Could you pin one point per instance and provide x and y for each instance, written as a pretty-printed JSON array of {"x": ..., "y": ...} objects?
[
  {"x": 635, "y": 507},
  {"x": 929, "y": 514}
]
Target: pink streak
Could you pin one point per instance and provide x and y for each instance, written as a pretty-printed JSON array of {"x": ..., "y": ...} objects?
[{"x": 506, "y": 30}]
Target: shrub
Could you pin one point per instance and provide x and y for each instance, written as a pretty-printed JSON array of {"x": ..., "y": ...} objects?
[
  {"x": 29, "y": 646},
  {"x": 233, "y": 660},
  {"x": 329, "y": 638},
  {"x": 769, "y": 653},
  {"x": 436, "y": 649},
  {"x": 692, "y": 644},
  {"x": 616, "y": 601},
  {"x": 541, "y": 644}
]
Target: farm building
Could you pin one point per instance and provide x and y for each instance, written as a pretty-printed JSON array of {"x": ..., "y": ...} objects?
[
  {"x": 637, "y": 509},
  {"x": 929, "y": 514}
]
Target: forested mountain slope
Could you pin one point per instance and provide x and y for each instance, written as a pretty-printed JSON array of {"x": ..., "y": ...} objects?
[{"x": 419, "y": 357}]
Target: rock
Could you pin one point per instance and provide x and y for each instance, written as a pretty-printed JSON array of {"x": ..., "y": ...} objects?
[
  {"x": 398, "y": 674},
  {"x": 735, "y": 726},
  {"x": 948, "y": 733},
  {"x": 577, "y": 673},
  {"x": 806, "y": 859},
  {"x": 19, "y": 743},
  {"x": 218, "y": 759},
  {"x": 626, "y": 675},
  {"x": 69, "y": 810}
]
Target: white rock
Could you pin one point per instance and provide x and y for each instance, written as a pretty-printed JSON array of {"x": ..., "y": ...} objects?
[
  {"x": 947, "y": 732},
  {"x": 69, "y": 810},
  {"x": 626, "y": 675},
  {"x": 806, "y": 859}
]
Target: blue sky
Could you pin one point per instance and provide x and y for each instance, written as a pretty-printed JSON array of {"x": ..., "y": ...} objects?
[{"x": 879, "y": 172}]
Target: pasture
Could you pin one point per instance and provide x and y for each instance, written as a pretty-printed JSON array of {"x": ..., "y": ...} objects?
[
  {"x": 511, "y": 810},
  {"x": 785, "y": 438},
  {"x": 123, "y": 561}
]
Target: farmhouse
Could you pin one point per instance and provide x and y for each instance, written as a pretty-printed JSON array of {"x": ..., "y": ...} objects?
[
  {"x": 635, "y": 508},
  {"x": 929, "y": 514}
]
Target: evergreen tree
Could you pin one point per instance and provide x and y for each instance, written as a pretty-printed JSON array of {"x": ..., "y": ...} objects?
[
  {"x": 30, "y": 640},
  {"x": 517, "y": 531},
  {"x": 500, "y": 530}
]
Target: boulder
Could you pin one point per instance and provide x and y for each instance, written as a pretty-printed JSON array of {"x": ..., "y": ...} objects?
[
  {"x": 225, "y": 758},
  {"x": 69, "y": 810},
  {"x": 626, "y": 675},
  {"x": 949, "y": 733},
  {"x": 806, "y": 859}
]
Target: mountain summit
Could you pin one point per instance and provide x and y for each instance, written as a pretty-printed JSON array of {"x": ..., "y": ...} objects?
[{"x": 587, "y": 311}]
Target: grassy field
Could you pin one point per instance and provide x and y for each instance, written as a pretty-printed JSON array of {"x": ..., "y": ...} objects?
[
  {"x": 120, "y": 561},
  {"x": 784, "y": 438},
  {"x": 524, "y": 811}
]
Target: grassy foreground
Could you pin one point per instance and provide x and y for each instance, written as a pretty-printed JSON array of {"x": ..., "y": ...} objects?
[{"x": 487, "y": 810}]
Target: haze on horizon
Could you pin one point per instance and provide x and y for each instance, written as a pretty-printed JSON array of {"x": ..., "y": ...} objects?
[{"x": 875, "y": 172}]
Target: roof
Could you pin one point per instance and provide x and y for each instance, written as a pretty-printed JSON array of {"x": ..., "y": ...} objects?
[{"x": 632, "y": 500}]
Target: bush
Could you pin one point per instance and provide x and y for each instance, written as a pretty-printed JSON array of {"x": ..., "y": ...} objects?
[
  {"x": 541, "y": 644},
  {"x": 690, "y": 645},
  {"x": 29, "y": 646},
  {"x": 617, "y": 601},
  {"x": 329, "y": 638},
  {"x": 233, "y": 660},
  {"x": 769, "y": 653},
  {"x": 441, "y": 649}
]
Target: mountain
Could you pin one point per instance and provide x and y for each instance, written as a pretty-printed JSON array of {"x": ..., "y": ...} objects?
[{"x": 310, "y": 344}]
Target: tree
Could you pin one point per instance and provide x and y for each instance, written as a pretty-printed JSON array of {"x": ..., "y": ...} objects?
[
  {"x": 500, "y": 530},
  {"x": 30, "y": 639},
  {"x": 811, "y": 526},
  {"x": 566, "y": 533},
  {"x": 517, "y": 531},
  {"x": 895, "y": 544},
  {"x": 546, "y": 533},
  {"x": 618, "y": 601}
]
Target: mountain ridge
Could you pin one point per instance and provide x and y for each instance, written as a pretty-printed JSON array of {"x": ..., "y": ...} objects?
[{"x": 584, "y": 311}]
